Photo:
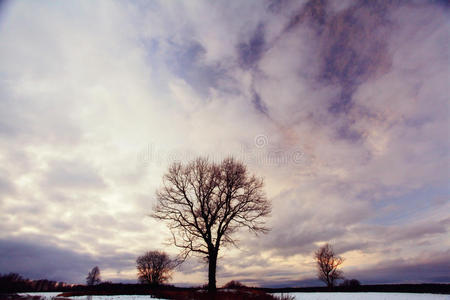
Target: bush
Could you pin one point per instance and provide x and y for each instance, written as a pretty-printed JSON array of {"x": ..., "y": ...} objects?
[
  {"x": 233, "y": 284},
  {"x": 350, "y": 282}
]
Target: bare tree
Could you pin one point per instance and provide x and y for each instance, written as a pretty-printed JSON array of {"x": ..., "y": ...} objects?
[
  {"x": 154, "y": 267},
  {"x": 93, "y": 276},
  {"x": 328, "y": 263},
  {"x": 204, "y": 203}
]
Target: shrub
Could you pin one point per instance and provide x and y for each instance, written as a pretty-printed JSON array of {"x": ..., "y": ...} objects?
[
  {"x": 350, "y": 282},
  {"x": 233, "y": 284}
]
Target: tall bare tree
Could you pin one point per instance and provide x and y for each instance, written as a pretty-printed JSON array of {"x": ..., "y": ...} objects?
[
  {"x": 327, "y": 264},
  {"x": 93, "y": 276},
  {"x": 154, "y": 267},
  {"x": 204, "y": 203}
]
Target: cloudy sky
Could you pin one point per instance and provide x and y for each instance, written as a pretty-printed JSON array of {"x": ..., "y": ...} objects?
[{"x": 342, "y": 107}]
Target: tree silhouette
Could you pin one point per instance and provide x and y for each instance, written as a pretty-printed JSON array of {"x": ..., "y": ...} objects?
[
  {"x": 154, "y": 267},
  {"x": 204, "y": 203},
  {"x": 350, "y": 282},
  {"x": 93, "y": 276},
  {"x": 327, "y": 264}
]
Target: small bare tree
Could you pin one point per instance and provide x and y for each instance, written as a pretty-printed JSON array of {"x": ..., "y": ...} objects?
[
  {"x": 328, "y": 263},
  {"x": 93, "y": 277},
  {"x": 204, "y": 203},
  {"x": 154, "y": 267}
]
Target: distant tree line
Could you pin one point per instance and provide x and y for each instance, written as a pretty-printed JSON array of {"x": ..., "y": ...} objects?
[{"x": 14, "y": 282}]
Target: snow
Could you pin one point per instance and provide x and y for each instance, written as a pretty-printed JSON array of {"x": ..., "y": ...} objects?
[
  {"x": 49, "y": 296},
  {"x": 366, "y": 296},
  {"x": 42, "y": 294},
  {"x": 115, "y": 297},
  {"x": 298, "y": 296}
]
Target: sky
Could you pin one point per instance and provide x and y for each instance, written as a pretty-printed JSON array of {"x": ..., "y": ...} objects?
[{"x": 341, "y": 106}]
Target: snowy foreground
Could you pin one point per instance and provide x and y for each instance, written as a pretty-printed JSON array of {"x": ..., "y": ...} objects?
[
  {"x": 366, "y": 296},
  {"x": 298, "y": 296},
  {"x": 49, "y": 296}
]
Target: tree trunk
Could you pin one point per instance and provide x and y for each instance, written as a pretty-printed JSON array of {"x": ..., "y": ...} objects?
[
  {"x": 212, "y": 262},
  {"x": 329, "y": 281}
]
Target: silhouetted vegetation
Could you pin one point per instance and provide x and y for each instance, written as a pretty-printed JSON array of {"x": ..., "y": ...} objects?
[
  {"x": 12, "y": 283},
  {"x": 350, "y": 282},
  {"x": 93, "y": 277},
  {"x": 204, "y": 203},
  {"x": 327, "y": 264},
  {"x": 233, "y": 284},
  {"x": 154, "y": 267},
  {"x": 115, "y": 289}
]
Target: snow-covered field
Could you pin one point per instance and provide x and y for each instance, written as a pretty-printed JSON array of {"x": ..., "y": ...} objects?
[
  {"x": 46, "y": 295},
  {"x": 366, "y": 296},
  {"x": 298, "y": 296},
  {"x": 49, "y": 296}
]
